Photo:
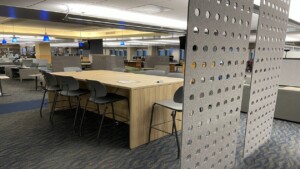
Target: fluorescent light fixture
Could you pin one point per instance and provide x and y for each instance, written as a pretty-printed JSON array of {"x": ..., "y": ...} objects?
[
  {"x": 123, "y": 15},
  {"x": 4, "y": 41},
  {"x": 150, "y": 9},
  {"x": 46, "y": 38}
]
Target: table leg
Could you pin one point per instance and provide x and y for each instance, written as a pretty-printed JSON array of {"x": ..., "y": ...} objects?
[
  {"x": 1, "y": 92},
  {"x": 36, "y": 83}
]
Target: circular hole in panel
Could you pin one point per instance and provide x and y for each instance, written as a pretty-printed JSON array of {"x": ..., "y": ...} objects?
[
  {"x": 197, "y": 12},
  {"x": 227, "y": 2},
  {"x": 193, "y": 81},
  {"x": 202, "y": 79},
  {"x": 213, "y": 64},
  {"x": 233, "y": 20},
  {"x": 207, "y": 14},
  {"x": 215, "y": 48},
  {"x": 225, "y": 18},
  {"x": 205, "y": 48},
  {"x": 235, "y": 5},
  {"x": 193, "y": 65},
  {"x": 217, "y": 17},
  {"x": 196, "y": 30},
  {"x": 221, "y": 63},
  {"x": 206, "y": 31},
  {"x": 216, "y": 33},
  {"x": 195, "y": 48}
]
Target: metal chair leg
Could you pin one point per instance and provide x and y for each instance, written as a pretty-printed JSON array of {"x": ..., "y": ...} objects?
[
  {"x": 53, "y": 107},
  {"x": 113, "y": 113},
  {"x": 82, "y": 118},
  {"x": 150, "y": 127},
  {"x": 172, "y": 124},
  {"x": 176, "y": 135},
  {"x": 101, "y": 123},
  {"x": 41, "y": 113},
  {"x": 76, "y": 114},
  {"x": 70, "y": 105}
]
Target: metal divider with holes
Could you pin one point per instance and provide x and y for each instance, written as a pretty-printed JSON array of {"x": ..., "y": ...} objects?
[
  {"x": 271, "y": 33},
  {"x": 217, "y": 50}
]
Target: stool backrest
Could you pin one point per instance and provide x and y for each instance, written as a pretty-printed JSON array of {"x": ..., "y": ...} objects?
[
  {"x": 96, "y": 88},
  {"x": 178, "y": 96},
  {"x": 49, "y": 79},
  {"x": 67, "y": 83}
]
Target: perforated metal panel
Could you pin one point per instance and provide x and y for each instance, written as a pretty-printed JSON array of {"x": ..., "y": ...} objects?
[
  {"x": 217, "y": 43},
  {"x": 270, "y": 41}
]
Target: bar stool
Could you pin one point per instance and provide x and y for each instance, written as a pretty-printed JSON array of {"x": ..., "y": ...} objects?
[
  {"x": 69, "y": 87},
  {"x": 50, "y": 86},
  {"x": 100, "y": 96},
  {"x": 176, "y": 106}
]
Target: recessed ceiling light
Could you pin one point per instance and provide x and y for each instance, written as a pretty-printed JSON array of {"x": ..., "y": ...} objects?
[{"x": 150, "y": 9}]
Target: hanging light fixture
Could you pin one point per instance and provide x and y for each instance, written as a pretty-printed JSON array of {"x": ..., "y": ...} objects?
[
  {"x": 3, "y": 40},
  {"x": 46, "y": 37},
  {"x": 122, "y": 42},
  {"x": 14, "y": 38},
  {"x": 80, "y": 43}
]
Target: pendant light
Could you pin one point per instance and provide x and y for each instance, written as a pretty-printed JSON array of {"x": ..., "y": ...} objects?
[
  {"x": 122, "y": 42},
  {"x": 14, "y": 38},
  {"x": 81, "y": 44},
  {"x": 46, "y": 37},
  {"x": 3, "y": 40}
]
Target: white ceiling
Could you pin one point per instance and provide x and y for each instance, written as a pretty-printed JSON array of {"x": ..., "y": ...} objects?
[{"x": 174, "y": 17}]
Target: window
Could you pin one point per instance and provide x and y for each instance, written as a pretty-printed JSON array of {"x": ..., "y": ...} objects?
[
  {"x": 145, "y": 52},
  {"x": 182, "y": 54}
]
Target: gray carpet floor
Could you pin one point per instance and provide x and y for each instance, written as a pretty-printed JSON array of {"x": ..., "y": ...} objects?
[{"x": 28, "y": 141}]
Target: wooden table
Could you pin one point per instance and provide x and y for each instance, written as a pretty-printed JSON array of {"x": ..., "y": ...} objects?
[
  {"x": 142, "y": 91},
  {"x": 36, "y": 79}
]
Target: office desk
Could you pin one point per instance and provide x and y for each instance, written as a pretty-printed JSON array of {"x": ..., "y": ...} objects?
[{"x": 142, "y": 91}]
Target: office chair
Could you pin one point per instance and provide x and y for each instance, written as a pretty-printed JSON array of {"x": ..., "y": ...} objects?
[
  {"x": 176, "y": 106},
  {"x": 50, "y": 86},
  {"x": 155, "y": 72},
  {"x": 69, "y": 87},
  {"x": 100, "y": 96}
]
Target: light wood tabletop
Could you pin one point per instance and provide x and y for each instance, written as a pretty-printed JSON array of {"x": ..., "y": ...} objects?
[{"x": 122, "y": 79}]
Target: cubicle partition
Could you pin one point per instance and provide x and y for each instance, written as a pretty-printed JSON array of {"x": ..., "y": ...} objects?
[
  {"x": 60, "y": 62},
  {"x": 151, "y": 61},
  {"x": 106, "y": 62}
]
